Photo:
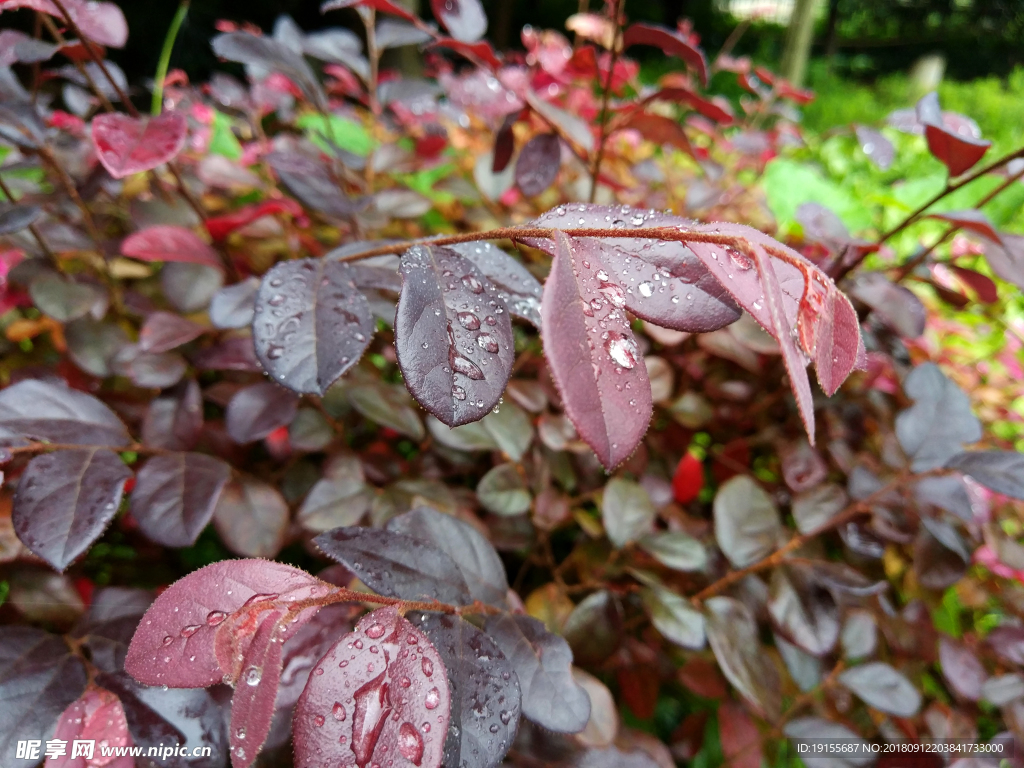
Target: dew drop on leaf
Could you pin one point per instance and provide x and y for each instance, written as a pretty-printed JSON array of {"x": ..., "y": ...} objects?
[
  {"x": 622, "y": 350},
  {"x": 410, "y": 743},
  {"x": 433, "y": 698},
  {"x": 338, "y": 711}
]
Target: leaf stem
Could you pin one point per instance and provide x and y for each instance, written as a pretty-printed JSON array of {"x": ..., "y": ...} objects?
[{"x": 165, "y": 57}]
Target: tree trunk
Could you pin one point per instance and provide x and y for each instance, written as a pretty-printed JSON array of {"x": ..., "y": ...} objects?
[{"x": 799, "y": 37}]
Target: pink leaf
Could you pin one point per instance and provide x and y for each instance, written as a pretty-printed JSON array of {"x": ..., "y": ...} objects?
[
  {"x": 592, "y": 353},
  {"x": 712, "y": 111},
  {"x": 481, "y": 51},
  {"x": 176, "y": 641},
  {"x": 102, "y": 23},
  {"x": 252, "y": 706},
  {"x": 163, "y": 331},
  {"x": 98, "y": 716},
  {"x": 127, "y": 145},
  {"x": 671, "y": 42},
  {"x": 380, "y": 693},
  {"x": 166, "y": 242}
]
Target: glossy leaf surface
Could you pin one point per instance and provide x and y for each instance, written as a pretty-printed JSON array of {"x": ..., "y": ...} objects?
[
  {"x": 44, "y": 410},
  {"x": 127, "y": 145},
  {"x": 517, "y": 287}
]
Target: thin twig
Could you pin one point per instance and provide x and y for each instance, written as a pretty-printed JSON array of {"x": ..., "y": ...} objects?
[{"x": 31, "y": 227}]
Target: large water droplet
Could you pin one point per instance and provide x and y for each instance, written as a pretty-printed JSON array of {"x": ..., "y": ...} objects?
[
  {"x": 458, "y": 392},
  {"x": 473, "y": 284},
  {"x": 468, "y": 320},
  {"x": 318, "y": 721},
  {"x": 190, "y": 630},
  {"x": 410, "y": 743},
  {"x": 213, "y": 618},
  {"x": 467, "y": 368},
  {"x": 487, "y": 343},
  {"x": 432, "y": 699},
  {"x": 622, "y": 350},
  {"x": 338, "y": 711},
  {"x": 646, "y": 289},
  {"x": 370, "y": 713},
  {"x": 375, "y": 631},
  {"x": 253, "y": 675},
  {"x": 614, "y": 294},
  {"x": 167, "y": 641},
  {"x": 428, "y": 666}
]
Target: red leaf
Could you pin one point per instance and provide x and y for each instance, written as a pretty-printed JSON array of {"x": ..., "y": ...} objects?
[
  {"x": 220, "y": 227},
  {"x": 798, "y": 95},
  {"x": 660, "y": 130},
  {"x": 384, "y": 6},
  {"x": 380, "y": 692},
  {"x": 671, "y": 42},
  {"x": 639, "y": 686},
  {"x": 972, "y": 220},
  {"x": 176, "y": 641},
  {"x": 829, "y": 332},
  {"x": 505, "y": 142},
  {"x": 982, "y": 285},
  {"x": 127, "y": 145},
  {"x": 741, "y": 742},
  {"x": 703, "y": 678},
  {"x": 958, "y": 153},
  {"x": 98, "y": 716},
  {"x": 480, "y": 51},
  {"x": 688, "y": 480},
  {"x": 166, "y": 242},
  {"x": 604, "y": 384},
  {"x": 706, "y": 107},
  {"x": 252, "y": 706}
]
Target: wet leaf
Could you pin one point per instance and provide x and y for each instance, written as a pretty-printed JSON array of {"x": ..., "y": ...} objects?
[
  {"x": 452, "y": 334},
  {"x": 271, "y": 54},
  {"x": 46, "y": 411},
  {"x": 396, "y": 565},
  {"x": 672, "y": 43},
  {"x": 538, "y": 164},
  {"x": 934, "y": 429},
  {"x": 543, "y": 662},
  {"x": 999, "y": 471},
  {"x": 251, "y": 518},
  {"x": 169, "y": 243},
  {"x": 517, "y": 287},
  {"x": 257, "y": 410},
  {"x": 127, "y": 145},
  {"x": 876, "y": 146},
  {"x": 484, "y": 691},
  {"x": 252, "y": 705},
  {"x": 747, "y": 522},
  {"x": 464, "y": 19},
  {"x": 1007, "y": 260},
  {"x": 626, "y": 511},
  {"x": 175, "y": 495},
  {"x": 65, "y": 500},
  {"x": 957, "y": 151},
  {"x": 102, "y": 23},
  {"x": 503, "y": 491},
  {"x": 882, "y": 687},
  {"x": 732, "y": 634},
  {"x": 602, "y": 380},
  {"x": 99, "y": 716}
]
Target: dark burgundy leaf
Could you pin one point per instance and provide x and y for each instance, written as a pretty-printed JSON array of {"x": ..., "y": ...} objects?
[
  {"x": 972, "y": 220},
  {"x": 384, "y": 6},
  {"x": 812, "y": 509},
  {"x": 16, "y": 217},
  {"x": 310, "y": 181},
  {"x": 93, "y": 344},
  {"x": 550, "y": 696},
  {"x": 961, "y": 668},
  {"x": 822, "y": 225},
  {"x": 380, "y": 693},
  {"x": 661, "y": 281},
  {"x": 874, "y": 144},
  {"x": 107, "y": 628},
  {"x": 46, "y": 411},
  {"x": 246, "y": 48},
  {"x": 504, "y": 143},
  {"x": 307, "y": 646},
  {"x": 252, "y": 706},
  {"x": 252, "y": 518},
  {"x": 538, "y": 164},
  {"x": 1007, "y": 260},
  {"x": 569, "y": 124},
  {"x": 170, "y": 243},
  {"x": 182, "y": 624},
  {"x": 474, "y": 556},
  {"x": 234, "y": 306},
  {"x": 982, "y": 285},
  {"x": 958, "y": 151},
  {"x": 257, "y": 410},
  {"x": 464, "y": 19},
  {"x": 396, "y": 565},
  {"x": 478, "y": 52},
  {"x": 127, "y": 145},
  {"x": 882, "y": 687},
  {"x": 894, "y": 305},
  {"x": 1008, "y": 643},
  {"x": 453, "y": 335},
  {"x": 802, "y": 467},
  {"x": 147, "y": 369},
  {"x": 519, "y": 289},
  {"x": 603, "y": 381},
  {"x": 164, "y": 331},
  {"x": 999, "y": 471},
  {"x": 312, "y": 324},
  {"x": 719, "y": 112},
  {"x": 672, "y": 43},
  {"x": 741, "y": 741},
  {"x": 934, "y": 429},
  {"x": 65, "y": 500},
  {"x": 175, "y": 495},
  {"x": 803, "y": 610},
  {"x": 732, "y": 634},
  {"x": 484, "y": 691},
  {"x": 97, "y": 715},
  {"x": 660, "y": 130}
]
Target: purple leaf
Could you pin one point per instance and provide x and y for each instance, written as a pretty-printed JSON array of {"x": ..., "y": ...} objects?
[
  {"x": 733, "y": 636},
  {"x": 64, "y": 299},
  {"x": 972, "y": 220},
  {"x": 882, "y": 687},
  {"x": 484, "y": 691},
  {"x": 46, "y": 411},
  {"x": 504, "y": 143},
  {"x": 307, "y": 646},
  {"x": 39, "y": 678},
  {"x": 396, "y": 565},
  {"x": 175, "y": 418},
  {"x": 543, "y": 662},
  {"x": 311, "y": 324},
  {"x": 256, "y": 50},
  {"x": 147, "y": 369},
  {"x": 474, "y": 556},
  {"x": 962, "y": 669},
  {"x": 93, "y": 344},
  {"x": 167, "y": 242},
  {"x": 538, "y": 164},
  {"x": 803, "y": 610},
  {"x": 127, "y": 145},
  {"x": 718, "y": 110},
  {"x": 257, "y": 410},
  {"x": 1008, "y": 643},
  {"x": 453, "y": 335},
  {"x": 672, "y": 43},
  {"x": 374, "y": 698},
  {"x": 102, "y": 23},
  {"x": 898, "y": 307},
  {"x": 981, "y": 284},
  {"x": 464, "y": 19},
  {"x": 234, "y": 305},
  {"x": 252, "y": 518},
  {"x": 311, "y": 183},
  {"x": 874, "y": 144},
  {"x": 603, "y": 380},
  {"x": 384, "y": 6},
  {"x": 747, "y": 522},
  {"x": 190, "y": 287},
  {"x": 802, "y": 467},
  {"x": 517, "y": 287},
  {"x": 1007, "y": 259},
  {"x": 822, "y": 225},
  {"x": 999, "y": 471},
  {"x": 164, "y": 331},
  {"x": 97, "y": 715},
  {"x": 175, "y": 495},
  {"x": 65, "y": 500},
  {"x": 252, "y": 706},
  {"x": 17, "y": 47},
  {"x": 182, "y": 624},
  {"x": 661, "y": 281},
  {"x": 16, "y": 218},
  {"x": 935, "y": 427},
  {"x": 231, "y": 354}
]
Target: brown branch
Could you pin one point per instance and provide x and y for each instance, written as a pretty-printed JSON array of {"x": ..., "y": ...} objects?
[
  {"x": 345, "y": 595},
  {"x": 39, "y": 447}
]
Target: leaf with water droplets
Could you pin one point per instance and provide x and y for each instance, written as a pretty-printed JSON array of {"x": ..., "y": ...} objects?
[
  {"x": 453, "y": 335},
  {"x": 39, "y": 677},
  {"x": 182, "y": 624},
  {"x": 543, "y": 662},
  {"x": 474, "y": 556},
  {"x": 484, "y": 691},
  {"x": 175, "y": 495},
  {"x": 46, "y": 411},
  {"x": 396, "y": 565},
  {"x": 381, "y": 692},
  {"x": 661, "y": 281},
  {"x": 257, "y": 410},
  {"x": 127, "y": 145},
  {"x": 252, "y": 705},
  {"x": 65, "y": 500},
  {"x": 97, "y": 715},
  {"x": 312, "y": 324},
  {"x": 593, "y": 355},
  {"x": 518, "y": 288}
]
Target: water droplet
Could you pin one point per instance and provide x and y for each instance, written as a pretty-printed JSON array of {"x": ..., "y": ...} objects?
[
  {"x": 622, "y": 350},
  {"x": 405, "y": 682},
  {"x": 370, "y": 713},
  {"x": 240, "y": 734},
  {"x": 614, "y": 294},
  {"x": 601, "y": 275},
  {"x": 494, "y": 728},
  {"x": 458, "y": 392},
  {"x": 506, "y": 717},
  {"x": 646, "y": 289},
  {"x": 487, "y": 343},
  {"x": 190, "y": 630},
  {"x": 428, "y": 666},
  {"x": 253, "y": 675},
  {"x": 410, "y": 743},
  {"x": 318, "y": 721},
  {"x": 338, "y": 711},
  {"x": 358, "y": 644},
  {"x": 473, "y": 284},
  {"x": 468, "y": 320},
  {"x": 466, "y": 367},
  {"x": 167, "y": 641},
  {"x": 432, "y": 699}
]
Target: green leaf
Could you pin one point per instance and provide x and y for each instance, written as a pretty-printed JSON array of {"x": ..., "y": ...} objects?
[{"x": 345, "y": 133}]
